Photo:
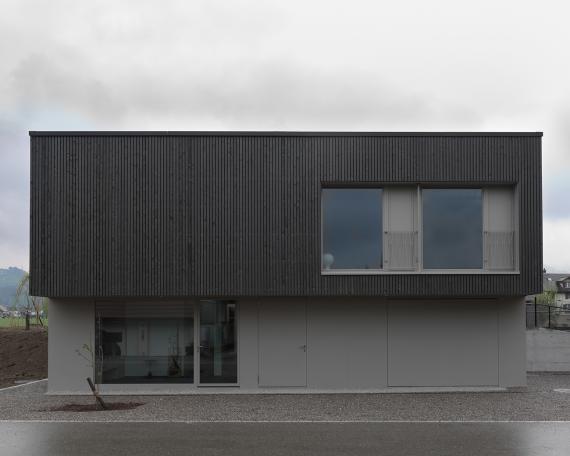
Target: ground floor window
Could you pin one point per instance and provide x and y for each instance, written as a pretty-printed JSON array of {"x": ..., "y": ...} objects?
[{"x": 147, "y": 342}]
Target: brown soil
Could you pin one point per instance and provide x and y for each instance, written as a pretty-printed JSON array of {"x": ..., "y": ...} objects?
[
  {"x": 23, "y": 355},
  {"x": 94, "y": 407}
]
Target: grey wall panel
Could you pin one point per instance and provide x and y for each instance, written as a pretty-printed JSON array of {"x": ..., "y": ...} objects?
[
  {"x": 182, "y": 214},
  {"x": 282, "y": 343},
  {"x": 248, "y": 360},
  {"x": 512, "y": 342},
  {"x": 72, "y": 326},
  {"x": 447, "y": 343},
  {"x": 346, "y": 343}
]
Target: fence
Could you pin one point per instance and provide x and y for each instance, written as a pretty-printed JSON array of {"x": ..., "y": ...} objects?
[{"x": 547, "y": 316}]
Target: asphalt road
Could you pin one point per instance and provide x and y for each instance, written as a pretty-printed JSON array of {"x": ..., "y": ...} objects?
[{"x": 325, "y": 438}]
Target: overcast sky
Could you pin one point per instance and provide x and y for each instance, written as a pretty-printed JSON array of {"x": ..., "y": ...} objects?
[{"x": 296, "y": 65}]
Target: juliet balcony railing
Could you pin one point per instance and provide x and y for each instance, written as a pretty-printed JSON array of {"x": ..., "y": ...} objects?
[
  {"x": 400, "y": 250},
  {"x": 499, "y": 250}
]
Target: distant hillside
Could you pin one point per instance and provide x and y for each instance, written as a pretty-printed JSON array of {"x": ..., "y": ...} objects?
[{"x": 9, "y": 279}]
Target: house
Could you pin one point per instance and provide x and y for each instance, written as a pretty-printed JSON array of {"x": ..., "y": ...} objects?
[
  {"x": 263, "y": 261},
  {"x": 560, "y": 285}
]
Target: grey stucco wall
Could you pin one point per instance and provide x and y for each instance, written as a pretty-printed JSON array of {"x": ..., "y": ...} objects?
[
  {"x": 71, "y": 325},
  {"x": 512, "y": 342},
  {"x": 456, "y": 343},
  {"x": 352, "y": 344},
  {"x": 443, "y": 344}
]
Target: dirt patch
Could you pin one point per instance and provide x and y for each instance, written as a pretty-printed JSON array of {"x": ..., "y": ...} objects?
[
  {"x": 23, "y": 355},
  {"x": 93, "y": 407}
]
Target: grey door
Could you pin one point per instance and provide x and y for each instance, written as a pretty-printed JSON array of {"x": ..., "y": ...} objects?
[{"x": 282, "y": 344}]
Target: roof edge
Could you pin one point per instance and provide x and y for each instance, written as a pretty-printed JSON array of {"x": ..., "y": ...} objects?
[{"x": 276, "y": 133}]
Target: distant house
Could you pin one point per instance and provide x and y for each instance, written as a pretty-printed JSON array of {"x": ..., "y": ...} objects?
[
  {"x": 3, "y": 311},
  {"x": 560, "y": 284}
]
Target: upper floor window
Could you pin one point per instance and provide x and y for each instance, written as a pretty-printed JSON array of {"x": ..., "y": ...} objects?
[
  {"x": 452, "y": 228},
  {"x": 411, "y": 228},
  {"x": 352, "y": 228}
]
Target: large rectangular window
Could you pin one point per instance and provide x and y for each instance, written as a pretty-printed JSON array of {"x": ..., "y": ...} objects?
[
  {"x": 411, "y": 228},
  {"x": 166, "y": 342},
  {"x": 144, "y": 343},
  {"x": 452, "y": 228},
  {"x": 352, "y": 228}
]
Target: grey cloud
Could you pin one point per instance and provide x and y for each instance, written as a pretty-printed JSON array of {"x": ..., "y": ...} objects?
[
  {"x": 263, "y": 95},
  {"x": 14, "y": 197},
  {"x": 65, "y": 82},
  {"x": 251, "y": 65}
]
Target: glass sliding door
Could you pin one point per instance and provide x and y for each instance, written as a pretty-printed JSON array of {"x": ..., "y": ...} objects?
[
  {"x": 144, "y": 342},
  {"x": 218, "y": 346}
]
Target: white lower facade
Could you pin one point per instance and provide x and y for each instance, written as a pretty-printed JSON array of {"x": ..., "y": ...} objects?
[{"x": 299, "y": 345}]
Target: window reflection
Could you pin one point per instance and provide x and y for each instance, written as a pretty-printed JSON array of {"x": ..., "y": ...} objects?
[
  {"x": 352, "y": 228},
  {"x": 144, "y": 343},
  {"x": 452, "y": 229}
]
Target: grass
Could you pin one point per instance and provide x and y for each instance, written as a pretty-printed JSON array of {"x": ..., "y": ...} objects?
[{"x": 13, "y": 322}]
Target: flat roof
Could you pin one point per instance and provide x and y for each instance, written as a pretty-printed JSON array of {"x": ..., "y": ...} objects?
[{"x": 278, "y": 133}]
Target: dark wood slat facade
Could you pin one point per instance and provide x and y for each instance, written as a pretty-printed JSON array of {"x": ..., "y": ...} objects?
[{"x": 227, "y": 215}]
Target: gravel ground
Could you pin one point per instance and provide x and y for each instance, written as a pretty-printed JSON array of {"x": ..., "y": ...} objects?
[{"x": 537, "y": 402}]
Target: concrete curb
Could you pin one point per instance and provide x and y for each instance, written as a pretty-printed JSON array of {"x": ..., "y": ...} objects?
[{"x": 22, "y": 384}]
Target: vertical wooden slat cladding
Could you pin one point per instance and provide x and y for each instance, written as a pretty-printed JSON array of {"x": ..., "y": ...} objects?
[{"x": 238, "y": 214}]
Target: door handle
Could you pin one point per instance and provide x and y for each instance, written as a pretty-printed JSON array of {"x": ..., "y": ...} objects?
[{"x": 304, "y": 347}]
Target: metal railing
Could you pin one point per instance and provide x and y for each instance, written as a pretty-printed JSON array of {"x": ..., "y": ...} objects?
[
  {"x": 547, "y": 316},
  {"x": 400, "y": 250},
  {"x": 499, "y": 250}
]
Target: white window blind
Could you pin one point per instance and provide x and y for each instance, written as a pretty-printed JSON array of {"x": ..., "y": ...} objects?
[
  {"x": 400, "y": 228},
  {"x": 499, "y": 234}
]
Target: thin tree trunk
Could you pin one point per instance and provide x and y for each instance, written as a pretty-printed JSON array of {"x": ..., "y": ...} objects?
[
  {"x": 98, "y": 398},
  {"x": 37, "y": 308}
]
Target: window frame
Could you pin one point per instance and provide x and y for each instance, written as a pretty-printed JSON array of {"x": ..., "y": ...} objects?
[
  {"x": 420, "y": 270},
  {"x": 322, "y": 218},
  {"x": 180, "y": 387}
]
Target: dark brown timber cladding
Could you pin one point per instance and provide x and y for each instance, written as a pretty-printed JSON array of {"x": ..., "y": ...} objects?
[{"x": 206, "y": 214}]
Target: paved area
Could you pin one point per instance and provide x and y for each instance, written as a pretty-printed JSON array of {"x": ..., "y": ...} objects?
[
  {"x": 538, "y": 402},
  {"x": 410, "y": 439}
]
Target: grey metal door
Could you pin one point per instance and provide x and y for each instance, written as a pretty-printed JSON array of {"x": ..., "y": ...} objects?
[{"x": 283, "y": 344}]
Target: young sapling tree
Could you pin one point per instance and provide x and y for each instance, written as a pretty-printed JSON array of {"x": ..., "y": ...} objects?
[{"x": 88, "y": 354}]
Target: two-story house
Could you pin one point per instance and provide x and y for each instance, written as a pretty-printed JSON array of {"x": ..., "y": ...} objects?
[
  {"x": 261, "y": 261},
  {"x": 559, "y": 284}
]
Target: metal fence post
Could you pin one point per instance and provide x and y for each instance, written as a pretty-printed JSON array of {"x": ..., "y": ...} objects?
[
  {"x": 535, "y": 314},
  {"x": 549, "y": 318}
]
